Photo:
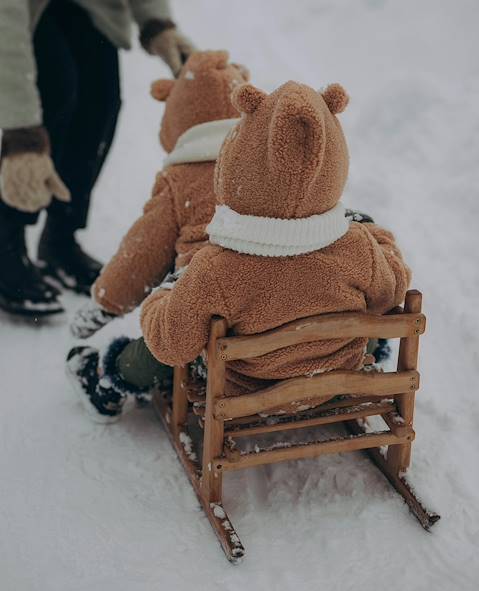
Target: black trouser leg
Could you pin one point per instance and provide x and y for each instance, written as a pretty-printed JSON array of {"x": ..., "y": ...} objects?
[{"x": 78, "y": 80}]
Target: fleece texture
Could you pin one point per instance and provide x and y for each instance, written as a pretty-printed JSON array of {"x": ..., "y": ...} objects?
[
  {"x": 172, "y": 227},
  {"x": 287, "y": 159}
]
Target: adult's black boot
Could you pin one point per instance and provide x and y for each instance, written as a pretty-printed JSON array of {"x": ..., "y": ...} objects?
[
  {"x": 23, "y": 289},
  {"x": 63, "y": 259}
]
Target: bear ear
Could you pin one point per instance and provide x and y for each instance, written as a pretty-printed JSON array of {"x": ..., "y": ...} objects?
[
  {"x": 336, "y": 98},
  {"x": 297, "y": 133},
  {"x": 160, "y": 89},
  {"x": 247, "y": 98},
  {"x": 244, "y": 72}
]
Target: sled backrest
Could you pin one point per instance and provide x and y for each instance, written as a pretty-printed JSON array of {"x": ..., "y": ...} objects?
[{"x": 405, "y": 324}]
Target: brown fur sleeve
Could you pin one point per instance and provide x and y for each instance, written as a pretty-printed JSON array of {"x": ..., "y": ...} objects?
[
  {"x": 390, "y": 275},
  {"x": 145, "y": 255},
  {"x": 176, "y": 323}
]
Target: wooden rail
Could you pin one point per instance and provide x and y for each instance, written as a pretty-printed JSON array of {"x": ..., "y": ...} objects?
[
  {"x": 344, "y": 325},
  {"x": 322, "y": 386},
  {"x": 311, "y": 450},
  {"x": 324, "y": 418}
]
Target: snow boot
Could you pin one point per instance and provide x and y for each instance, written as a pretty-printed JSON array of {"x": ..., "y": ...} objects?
[
  {"x": 98, "y": 395},
  {"x": 23, "y": 289},
  {"x": 383, "y": 351},
  {"x": 62, "y": 259}
]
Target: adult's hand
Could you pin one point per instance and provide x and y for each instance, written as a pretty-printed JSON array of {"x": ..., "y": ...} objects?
[
  {"x": 162, "y": 38},
  {"x": 28, "y": 179}
]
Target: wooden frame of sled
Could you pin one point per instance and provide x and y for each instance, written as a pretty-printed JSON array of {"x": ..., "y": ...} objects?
[{"x": 346, "y": 397}]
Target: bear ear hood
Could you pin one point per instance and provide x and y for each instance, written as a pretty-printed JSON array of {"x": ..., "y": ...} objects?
[
  {"x": 336, "y": 98},
  {"x": 160, "y": 89},
  {"x": 281, "y": 172},
  {"x": 288, "y": 157},
  {"x": 201, "y": 93}
]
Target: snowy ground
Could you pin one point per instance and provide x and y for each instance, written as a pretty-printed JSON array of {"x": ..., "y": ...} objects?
[{"x": 87, "y": 507}]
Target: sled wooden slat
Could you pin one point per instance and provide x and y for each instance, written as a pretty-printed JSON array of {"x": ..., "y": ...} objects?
[
  {"x": 315, "y": 328},
  {"x": 407, "y": 360},
  {"x": 323, "y": 386},
  {"x": 324, "y": 418},
  {"x": 295, "y": 408},
  {"x": 311, "y": 450},
  {"x": 211, "y": 483}
]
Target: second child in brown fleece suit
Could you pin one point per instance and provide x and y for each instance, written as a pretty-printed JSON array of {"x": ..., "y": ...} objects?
[
  {"x": 281, "y": 248},
  {"x": 198, "y": 115}
]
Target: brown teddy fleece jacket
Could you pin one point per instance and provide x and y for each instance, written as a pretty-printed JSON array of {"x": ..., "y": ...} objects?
[
  {"x": 198, "y": 114},
  {"x": 282, "y": 249}
]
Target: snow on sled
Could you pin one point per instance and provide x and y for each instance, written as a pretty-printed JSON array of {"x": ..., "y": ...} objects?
[{"x": 335, "y": 397}]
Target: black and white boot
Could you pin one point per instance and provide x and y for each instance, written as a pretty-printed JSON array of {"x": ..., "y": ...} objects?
[
  {"x": 23, "y": 289},
  {"x": 63, "y": 259},
  {"x": 98, "y": 383},
  {"x": 102, "y": 401},
  {"x": 383, "y": 351}
]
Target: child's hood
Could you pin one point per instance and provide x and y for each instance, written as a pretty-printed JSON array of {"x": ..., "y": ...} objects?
[
  {"x": 201, "y": 94},
  {"x": 281, "y": 172}
]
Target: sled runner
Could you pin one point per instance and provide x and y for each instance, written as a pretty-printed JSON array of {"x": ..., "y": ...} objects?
[{"x": 340, "y": 397}]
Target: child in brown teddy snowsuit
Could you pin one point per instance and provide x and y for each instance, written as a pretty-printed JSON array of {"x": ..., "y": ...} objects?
[
  {"x": 281, "y": 248},
  {"x": 198, "y": 115}
]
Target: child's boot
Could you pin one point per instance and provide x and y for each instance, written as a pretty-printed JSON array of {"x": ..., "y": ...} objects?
[
  {"x": 99, "y": 385},
  {"x": 127, "y": 367}
]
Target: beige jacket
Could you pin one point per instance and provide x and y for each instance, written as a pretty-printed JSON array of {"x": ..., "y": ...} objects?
[{"x": 19, "y": 99}]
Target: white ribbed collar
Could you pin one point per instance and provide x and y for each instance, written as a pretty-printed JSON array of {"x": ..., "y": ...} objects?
[
  {"x": 200, "y": 143},
  {"x": 273, "y": 237}
]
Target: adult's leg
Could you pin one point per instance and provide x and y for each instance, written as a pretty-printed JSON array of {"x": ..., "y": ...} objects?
[
  {"x": 22, "y": 288},
  {"x": 57, "y": 80},
  {"x": 88, "y": 140},
  {"x": 92, "y": 126}
]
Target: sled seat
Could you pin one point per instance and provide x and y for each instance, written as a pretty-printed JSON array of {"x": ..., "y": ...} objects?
[{"x": 339, "y": 397}]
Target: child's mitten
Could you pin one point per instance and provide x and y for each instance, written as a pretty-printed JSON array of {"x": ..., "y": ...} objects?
[
  {"x": 88, "y": 320},
  {"x": 354, "y": 215}
]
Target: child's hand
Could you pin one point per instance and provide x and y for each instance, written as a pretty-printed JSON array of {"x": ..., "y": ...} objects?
[
  {"x": 88, "y": 320},
  {"x": 358, "y": 216}
]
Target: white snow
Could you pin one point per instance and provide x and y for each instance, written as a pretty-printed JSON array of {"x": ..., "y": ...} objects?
[
  {"x": 108, "y": 508},
  {"x": 187, "y": 444}
]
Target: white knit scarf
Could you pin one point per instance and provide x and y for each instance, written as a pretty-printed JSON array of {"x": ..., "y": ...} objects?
[
  {"x": 273, "y": 237},
  {"x": 200, "y": 143}
]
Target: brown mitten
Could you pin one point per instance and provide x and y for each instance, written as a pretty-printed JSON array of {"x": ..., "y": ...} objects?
[
  {"x": 28, "y": 180},
  {"x": 162, "y": 38}
]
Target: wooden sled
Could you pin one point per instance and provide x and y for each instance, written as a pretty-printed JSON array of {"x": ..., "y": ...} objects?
[{"x": 341, "y": 397}]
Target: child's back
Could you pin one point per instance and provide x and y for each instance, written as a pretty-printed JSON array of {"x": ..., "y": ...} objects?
[{"x": 282, "y": 249}]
